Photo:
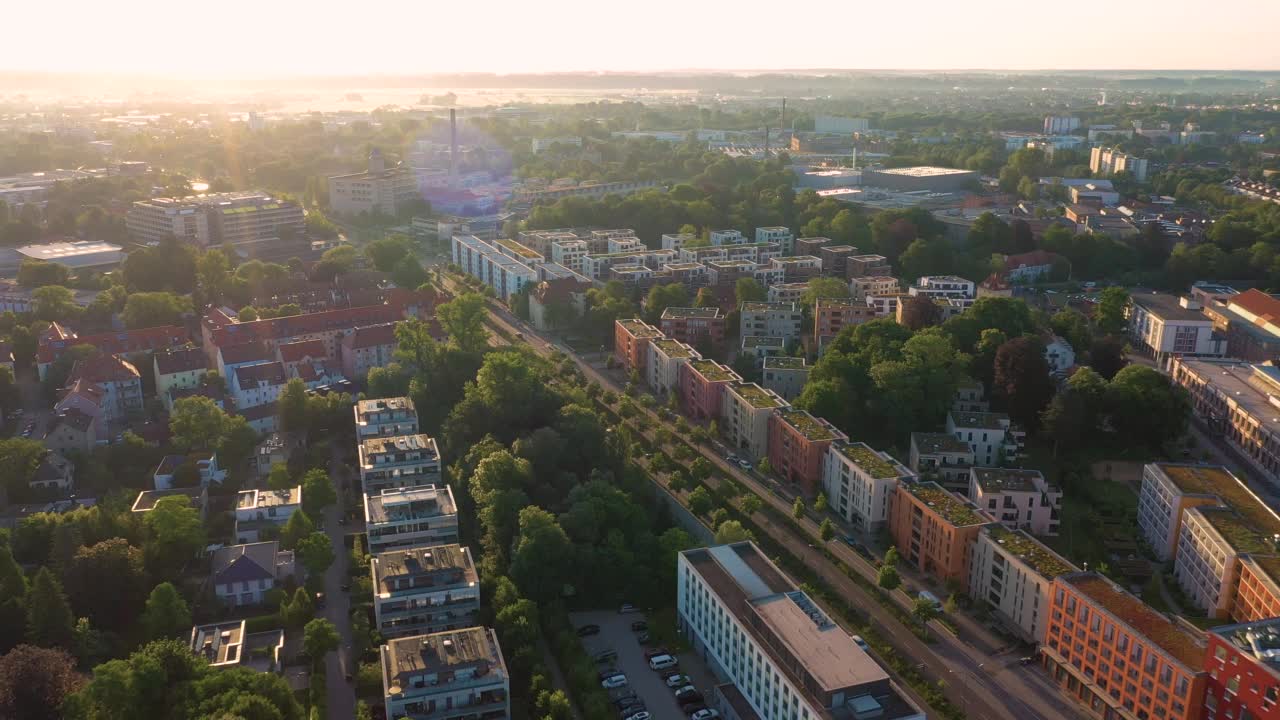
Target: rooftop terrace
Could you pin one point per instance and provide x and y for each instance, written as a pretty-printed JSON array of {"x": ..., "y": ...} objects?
[
  {"x": 639, "y": 328},
  {"x": 784, "y": 362},
  {"x": 1040, "y": 558},
  {"x": 756, "y": 396},
  {"x": 707, "y": 313},
  {"x": 869, "y": 461},
  {"x": 768, "y": 307},
  {"x": 945, "y": 504},
  {"x": 1259, "y": 640},
  {"x": 763, "y": 341},
  {"x": 983, "y": 420},
  {"x": 995, "y": 480},
  {"x": 672, "y": 348},
  {"x": 929, "y": 443},
  {"x": 1182, "y": 644},
  {"x": 807, "y": 425}
]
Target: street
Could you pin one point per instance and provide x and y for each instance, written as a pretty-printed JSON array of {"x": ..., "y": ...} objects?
[{"x": 341, "y": 693}]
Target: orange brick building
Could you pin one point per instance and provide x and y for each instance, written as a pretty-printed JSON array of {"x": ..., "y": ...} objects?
[
  {"x": 702, "y": 384},
  {"x": 1257, "y": 595},
  {"x": 798, "y": 445},
  {"x": 1117, "y": 657},
  {"x": 631, "y": 342},
  {"x": 935, "y": 529},
  {"x": 831, "y": 315}
]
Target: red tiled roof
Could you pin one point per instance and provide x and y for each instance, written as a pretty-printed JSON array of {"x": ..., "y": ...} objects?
[
  {"x": 373, "y": 336},
  {"x": 105, "y": 368},
  {"x": 1030, "y": 259},
  {"x": 245, "y": 352},
  {"x": 1258, "y": 303},
  {"x": 54, "y": 342},
  {"x": 297, "y": 351},
  {"x": 294, "y": 325}
]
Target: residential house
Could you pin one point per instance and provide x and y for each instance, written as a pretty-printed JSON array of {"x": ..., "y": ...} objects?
[
  {"x": 258, "y": 509},
  {"x": 785, "y": 376},
  {"x": 72, "y": 430},
  {"x": 242, "y": 575},
  {"x": 860, "y": 288},
  {"x": 424, "y": 590},
  {"x": 119, "y": 381},
  {"x": 260, "y": 384},
  {"x": 992, "y": 436},
  {"x": 368, "y": 347},
  {"x": 54, "y": 474},
  {"x": 227, "y": 644},
  {"x": 205, "y": 466},
  {"x": 380, "y": 417},
  {"x": 182, "y": 368}
]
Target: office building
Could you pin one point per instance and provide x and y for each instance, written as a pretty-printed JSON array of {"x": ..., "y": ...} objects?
[
  {"x": 662, "y": 368},
  {"x": 1060, "y": 124},
  {"x": 770, "y": 319},
  {"x": 420, "y": 591},
  {"x": 934, "y": 530},
  {"x": 744, "y": 417},
  {"x": 453, "y": 675},
  {"x": 398, "y": 461},
  {"x": 1013, "y": 573},
  {"x": 414, "y": 517},
  {"x": 992, "y": 437},
  {"x": 215, "y": 219},
  {"x": 1117, "y": 657},
  {"x": 631, "y": 340},
  {"x": 781, "y": 654},
  {"x": 1236, "y": 401},
  {"x": 702, "y": 384},
  {"x": 798, "y": 444},
  {"x": 700, "y": 327},
  {"x": 381, "y": 417},
  {"x": 942, "y": 458},
  {"x": 378, "y": 190},
  {"x": 1105, "y": 161},
  {"x": 1019, "y": 499},
  {"x": 859, "y": 483},
  {"x": 1164, "y": 326}
]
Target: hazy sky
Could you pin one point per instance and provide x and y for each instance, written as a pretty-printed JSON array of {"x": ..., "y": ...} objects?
[{"x": 270, "y": 37}]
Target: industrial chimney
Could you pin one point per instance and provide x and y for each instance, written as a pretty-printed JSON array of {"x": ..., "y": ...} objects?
[{"x": 453, "y": 146}]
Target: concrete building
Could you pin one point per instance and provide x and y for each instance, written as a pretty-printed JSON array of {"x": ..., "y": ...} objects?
[
  {"x": 744, "y": 417},
  {"x": 72, "y": 430},
  {"x": 1236, "y": 402},
  {"x": 831, "y": 315},
  {"x": 1012, "y": 573},
  {"x": 862, "y": 287},
  {"x": 798, "y": 444},
  {"x": 773, "y": 646},
  {"x": 934, "y": 530},
  {"x": 702, "y": 384},
  {"x": 76, "y": 255},
  {"x": 662, "y": 368},
  {"x": 415, "y": 517},
  {"x": 886, "y": 304},
  {"x": 941, "y": 458},
  {"x": 1212, "y": 542},
  {"x": 228, "y": 645},
  {"x": 913, "y": 179},
  {"x": 857, "y": 266},
  {"x": 424, "y": 590},
  {"x": 1094, "y": 626},
  {"x": 378, "y": 190},
  {"x": 196, "y": 497},
  {"x": 770, "y": 319},
  {"x": 1060, "y": 124},
  {"x": 1164, "y": 326},
  {"x": 760, "y": 347},
  {"x": 780, "y": 235},
  {"x": 204, "y": 464},
  {"x": 1170, "y": 489},
  {"x": 859, "y": 482},
  {"x": 631, "y": 340},
  {"x": 1257, "y": 591},
  {"x": 992, "y": 436},
  {"x": 726, "y": 237},
  {"x": 215, "y": 219},
  {"x": 1096, "y": 194},
  {"x": 785, "y": 376},
  {"x": 453, "y": 675},
  {"x": 835, "y": 259},
  {"x": 788, "y": 292},
  {"x": 242, "y": 575},
  {"x": 944, "y": 287},
  {"x": 796, "y": 268},
  {"x": 258, "y": 509},
  {"x": 694, "y": 326},
  {"x": 1019, "y": 499},
  {"x": 1244, "y": 672},
  {"x": 811, "y": 245},
  {"x": 675, "y": 241},
  {"x": 1105, "y": 161},
  {"x": 381, "y": 417},
  {"x": 398, "y": 462},
  {"x": 488, "y": 263}
]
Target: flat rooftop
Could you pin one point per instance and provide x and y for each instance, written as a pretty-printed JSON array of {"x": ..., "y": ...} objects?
[
  {"x": 713, "y": 371},
  {"x": 763, "y": 341},
  {"x": 946, "y": 504},
  {"x": 1167, "y": 307},
  {"x": 1248, "y": 386},
  {"x": 449, "y": 560},
  {"x": 424, "y": 444},
  {"x": 757, "y": 306},
  {"x": 393, "y": 404},
  {"x": 923, "y": 171},
  {"x": 518, "y": 249},
  {"x": 1180, "y": 643},
  {"x": 869, "y": 461},
  {"x": 928, "y": 443},
  {"x": 983, "y": 420},
  {"x": 147, "y": 499},
  {"x": 707, "y": 313},
  {"x": 1259, "y": 640},
  {"x": 219, "y": 643},
  {"x": 249, "y": 499},
  {"x": 639, "y": 328},
  {"x": 813, "y": 429},
  {"x": 672, "y": 348},
  {"x": 825, "y": 650},
  {"x": 454, "y": 650},
  {"x": 1239, "y": 534},
  {"x": 785, "y": 362},
  {"x": 1215, "y": 480},
  {"x": 1035, "y": 554},
  {"x": 418, "y": 503},
  {"x": 998, "y": 480},
  {"x": 838, "y": 302},
  {"x": 756, "y": 396}
]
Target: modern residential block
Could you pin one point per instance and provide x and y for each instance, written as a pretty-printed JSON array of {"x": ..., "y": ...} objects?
[
  {"x": 702, "y": 384},
  {"x": 944, "y": 287},
  {"x": 857, "y": 266},
  {"x": 861, "y": 287},
  {"x": 1244, "y": 678},
  {"x": 630, "y": 342},
  {"x": 1019, "y": 499},
  {"x": 227, "y": 644},
  {"x": 1166, "y": 326},
  {"x": 401, "y": 461},
  {"x": 694, "y": 326},
  {"x": 758, "y": 347},
  {"x": 1013, "y": 573},
  {"x": 258, "y": 509},
  {"x": 859, "y": 483},
  {"x": 780, "y": 235},
  {"x": 380, "y": 417},
  {"x": 744, "y": 417},
  {"x": 1211, "y": 544},
  {"x": 798, "y": 445},
  {"x": 831, "y": 315},
  {"x": 771, "y": 319},
  {"x": 1170, "y": 489},
  {"x": 454, "y": 675},
  {"x": 941, "y": 458},
  {"x": 785, "y": 375},
  {"x": 416, "y": 517},
  {"x": 934, "y": 530},
  {"x": 993, "y": 438},
  {"x": 1235, "y": 400},
  {"x": 662, "y": 368},
  {"x": 424, "y": 590}
]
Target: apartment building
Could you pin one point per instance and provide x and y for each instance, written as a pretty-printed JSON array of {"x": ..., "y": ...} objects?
[
  {"x": 784, "y": 375},
  {"x": 258, "y": 384},
  {"x": 1164, "y": 326},
  {"x": 935, "y": 530},
  {"x": 886, "y": 304},
  {"x": 242, "y": 575},
  {"x": 420, "y": 591},
  {"x": 798, "y": 444},
  {"x": 662, "y": 367},
  {"x": 631, "y": 340},
  {"x": 699, "y": 327},
  {"x": 776, "y": 650},
  {"x": 831, "y": 315},
  {"x": 1104, "y": 161},
  {"x": 758, "y": 348},
  {"x": 453, "y": 675},
  {"x": 204, "y": 464},
  {"x": 1244, "y": 677},
  {"x": 259, "y": 509},
  {"x": 415, "y": 517},
  {"x": 1235, "y": 400},
  {"x": 943, "y": 287},
  {"x": 569, "y": 253},
  {"x": 796, "y": 268},
  {"x": 1019, "y": 499},
  {"x": 180, "y": 368},
  {"x": 702, "y": 384},
  {"x": 1257, "y": 591},
  {"x": 725, "y": 274},
  {"x": 788, "y": 292},
  {"x": 676, "y": 241},
  {"x": 941, "y": 458},
  {"x": 859, "y": 483},
  {"x": 1170, "y": 489},
  {"x": 1013, "y": 573},
  {"x": 835, "y": 259},
  {"x": 398, "y": 461},
  {"x": 378, "y": 190},
  {"x": 116, "y": 378},
  {"x": 770, "y": 319},
  {"x": 860, "y": 288},
  {"x": 366, "y": 348},
  {"x": 381, "y": 417},
  {"x": 726, "y": 237},
  {"x": 215, "y": 219},
  {"x": 780, "y": 235},
  {"x": 744, "y": 417},
  {"x": 1211, "y": 544},
  {"x": 597, "y": 267},
  {"x": 1117, "y": 657},
  {"x": 992, "y": 437},
  {"x": 492, "y": 266},
  {"x": 857, "y": 266}
]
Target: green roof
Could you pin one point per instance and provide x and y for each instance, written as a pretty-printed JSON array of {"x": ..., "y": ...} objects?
[
  {"x": 752, "y": 341},
  {"x": 640, "y": 328},
  {"x": 768, "y": 307},
  {"x": 869, "y": 461},
  {"x": 1240, "y": 535},
  {"x": 785, "y": 362},
  {"x": 1025, "y": 548},
  {"x": 516, "y": 247},
  {"x": 757, "y": 396},
  {"x": 672, "y": 348},
  {"x": 807, "y": 425},
  {"x": 712, "y": 370},
  {"x": 939, "y": 442},
  {"x": 1217, "y": 481},
  {"x": 973, "y": 419},
  {"x": 948, "y": 506},
  {"x": 691, "y": 312},
  {"x": 1007, "y": 479}
]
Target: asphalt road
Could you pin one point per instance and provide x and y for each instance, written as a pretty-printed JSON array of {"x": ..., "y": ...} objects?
[{"x": 341, "y": 693}]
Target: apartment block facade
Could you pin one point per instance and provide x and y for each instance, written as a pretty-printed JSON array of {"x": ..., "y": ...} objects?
[
  {"x": 1244, "y": 678},
  {"x": 934, "y": 530},
  {"x": 1013, "y": 573},
  {"x": 992, "y": 437},
  {"x": 694, "y": 326},
  {"x": 770, "y": 319},
  {"x": 1019, "y": 499},
  {"x": 785, "y": 376},
  {"x": 453, "y": 675},
  {"x": 1234, "y": 400},
  {"x": 631, "y": 343},
  {"x": 744, "y": 417},
  {"x": 398, "y": 461},
  {"x": 702, "y": 384},
  {"x": 416, "y": 517},
  {"x": 860, "y": 482},
  {"x": 798, "y": 444},
  {"x": 382, "y": 417},
  {"x": 941, "y": 458},
  {"x": 419, "y": 591},
  {"x": 831, "y": 315},
  {"x": 662, "y": 368}
]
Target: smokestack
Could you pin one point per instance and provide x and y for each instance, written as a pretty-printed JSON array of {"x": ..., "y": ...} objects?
[
  {"x": 453, "y": 145},
  {"x": 783, "y": 124}
]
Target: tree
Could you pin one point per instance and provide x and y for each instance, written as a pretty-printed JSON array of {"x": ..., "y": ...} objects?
[
  {"x": 888, "y": 577},
  {"x": 920, "y": 312},
  {"x": 149, "y": 309},
  {"x": 798, "y": 508},
  {"x": 542, "y": 560},
  {"x": 731, "y": 531},
  {"x": 1073, "y": 327},
  {"x": 49, "y": 619},
  {"x": 177, "y": 533},
  {"x": 38, "y": 273},
  {"x": 751, "y": 505},
  {"x": 661, "y": 297},
  {"x": 463, "y": 320},
  {"x": 824, "y": 287},
  {"x": 1022, "y": 381},
  {"x": 111, "y": 568},
  {"x": 1107, "y": 356},
  {"x": 248, "y": 313},
  {"x": 700, "y": 469},
  {"x": 820, "y": 503},
  {"x": 409, "y": 273},
  {"x": 1109, "y": 314},
  {"x": 317, "y": 492},
  {"x": 300, "y": 610},
  {"x": 706, "y": 298},
  {"x": 388, "y": 251},
  {"x": 749, "y": 290},
  {"x": 316, "y": 553},
  {"x": 279, "y": 477},
  {"x": 13, "y": 597},
  {"x": 923, "y": 610},
  {"x": 54, "y": 302},
  {"x": 891, "y": 557},
  {"x": 319, "y": 638},
  {"x": 296, "y": 528},
  {"x": 19, "y": 458},
  {"x": 826, "y": 530},
  {"x": 212, "y": 270},
  {"x": 197, "y": 423},
  {"x": 700, "y": 502},
  {"x": 166, "y": 613},
  {"x": 765, "y": 467},
  {"x": 1145, "y": 407},
  {"x": 292, "y": 406},
  {"x": 35, "y": 681}
]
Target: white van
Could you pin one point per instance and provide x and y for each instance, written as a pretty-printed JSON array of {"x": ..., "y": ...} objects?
[
  {"x": 662, "y": 662},
  {"x": 931, "y": 598}
]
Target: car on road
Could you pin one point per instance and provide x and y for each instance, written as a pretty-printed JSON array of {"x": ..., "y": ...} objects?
[
  {"x": 744, "y": 465},
  {"x": 639, "y": 626},
  {"x": 588, "y": 630},
  {"x": 627, "y": 608},
  {"x": 614, "y": 681},
  {"x": 677, "y": 681},
  {"x": 663, "y": 662},
  {"x": 857, "y": 640},
  {"x": 642, "y": 715},
  {"x": 705, "y": 714}
]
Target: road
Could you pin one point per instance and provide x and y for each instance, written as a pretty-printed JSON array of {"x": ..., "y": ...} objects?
[
  {"x": 341, "y": 694},
  {"x": 983, "y": 684}
]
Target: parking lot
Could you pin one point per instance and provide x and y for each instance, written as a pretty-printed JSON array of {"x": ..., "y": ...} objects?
[{"x": 616, "y": 634}]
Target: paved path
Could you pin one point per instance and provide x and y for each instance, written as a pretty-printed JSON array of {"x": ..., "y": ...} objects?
[{"x": 341, "y": 694}]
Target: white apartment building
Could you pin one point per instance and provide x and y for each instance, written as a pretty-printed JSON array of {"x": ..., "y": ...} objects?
[
  {"x": 1168, "y": 489},
  {"x": 493, "y": 267},
  {"x": 398, "y": 461},
  {"x": 785, "y": 375},
  {"x": 759, "y": 347},
  {"x": 781, "y": 235},
  {"x": 1059, "y": 354},
  {"x": 744, "y": 417},
  {"x": 944, "y": 287},
  {"x": 1104, "y": 161},
  {"x": 258, "y": 509},
  {"x": 788, "y": 292},
  {"x": 726, "y": 237},
  {"x": 885, "y": 303},
  {"x": 770, "y": 319},
  {"x": 382, "y": 417},
  {"x": 1164, "y": 326},
  {"x": 675, "y": 241},
  {"x": 1019, "y": 499},
  {"x": 1211, "y": 544},
  {"x": 859, "y": 483},
  {"x": 597, "y": 267},
  {"x": 258, "y": 384},
  {"x": 663, "y": 368},
  {"x": 942, "y": 458},
  {"x": 424, "y": 590},
  {"x": 423, "y": 516},
  {"x": 1013, "y": 573},
  {"x": 454, "y": 675},
  {"x": 860, "y": 288},
  {"x": 569, "y": 253},
  {"x": 786, "y": 658},
  {"x": 991, "y": 436},
  {"x": 1060, "y": 124}
]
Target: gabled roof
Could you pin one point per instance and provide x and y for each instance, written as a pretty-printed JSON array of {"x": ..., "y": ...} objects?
[
  {"x": 73, "y": 418},
  {"x": 180, "y": 360},
  {"x": 105, "y": 368},
  {"x": 1264, "y": 308},
  {"x": 244, "y": 353},
  {"x": 271, "y": 373},
  {"x": 373, "y": 335},
  {"x": 297, "y": 351},
  {"x": 245, "y": 563}
]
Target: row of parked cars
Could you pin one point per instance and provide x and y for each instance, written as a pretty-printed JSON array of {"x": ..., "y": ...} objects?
[{"x": 632, "y": 707}]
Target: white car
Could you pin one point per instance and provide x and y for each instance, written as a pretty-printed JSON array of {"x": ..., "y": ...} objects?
[
  {"x": 705, "y": 714},
  {"x": 744, "y": 465},
  {"x": 616, "y": 681},
  {"x": 642, "y": 715},
  {"x": 857, "y": 640},
  {"x": 677, "y": 681},
  {"x": 687, "y": 687}
]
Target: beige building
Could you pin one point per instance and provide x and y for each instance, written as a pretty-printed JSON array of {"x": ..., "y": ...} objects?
[
  {"x": 414, "y": 517},
  {"x": 454, "y": 675},
  {"x": 1212, "y": 542},
  {"x": 744, "y": 417},
  {"x": 215, "y": 219},
  {"x": 377, "y": 190},
  {"x": 1235, "y": 401},
  {"x": 399, "y": 461},
  {"x": 1020, "y": 499},
  {"x": 665, "y": 356},
  {"x": 861, "y": 287},
  {"x": 1170, "y": 489},
  {"x": 424, "y": 590},
  {"x": 1012, "y": 573}
]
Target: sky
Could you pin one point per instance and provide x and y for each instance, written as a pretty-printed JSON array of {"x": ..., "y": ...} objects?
[{"x": 346, "y": 37}]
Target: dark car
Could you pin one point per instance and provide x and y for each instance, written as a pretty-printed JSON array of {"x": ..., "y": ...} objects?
[
  {"x": 643, "y": 637},
  {"x": 609, "y": 672},
  {"x": 689, "y": 707},
  {"x": 688, "y": 696},
  {"x": 651, "y": 653},
  {"x": 639, "y": 626},
  {"x": 586, "y": 630}
]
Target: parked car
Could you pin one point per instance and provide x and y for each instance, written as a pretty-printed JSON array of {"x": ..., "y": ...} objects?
[
  {"x": 615, "y": 681},
  {"x": 643, "y": 637},
  {"x": 857, "y": 640},
  {"x": 588, "y": 630},
  {"x": 677, "y": 681},
  {"x": 627, "y": 608},
  {"x": 651, "y": 653},
  {"x": 608, "y": 673},
  {"x": 625, "y": 699},
  {"x": 705, "y": 714},
  {"x": 662, "y": 662},
  {"x": 639, "y": 626},
  {"x": 630, "y": 707},
  {"x": 605, "y": 656},
  {"x": 691, "y": 708},
  {"x": 926, "y": 595},
  {"x": 744, "y": 465},
  {"x": 642, "y": 715},
  {"x": 688, "y": 695},
  {"x": 685, "y": 688}
]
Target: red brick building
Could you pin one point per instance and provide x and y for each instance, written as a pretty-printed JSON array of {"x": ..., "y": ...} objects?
[
  {"x": 1244, "y": 681},
  {"x": 702, "y": 384},
  {"x": 798, "y": 445},
  {"x": 694, "y": 326},
  {"x": 631, "y": 342},
  {"x": 934, "y": 529},
  {"x": 56, "y": 339}
]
